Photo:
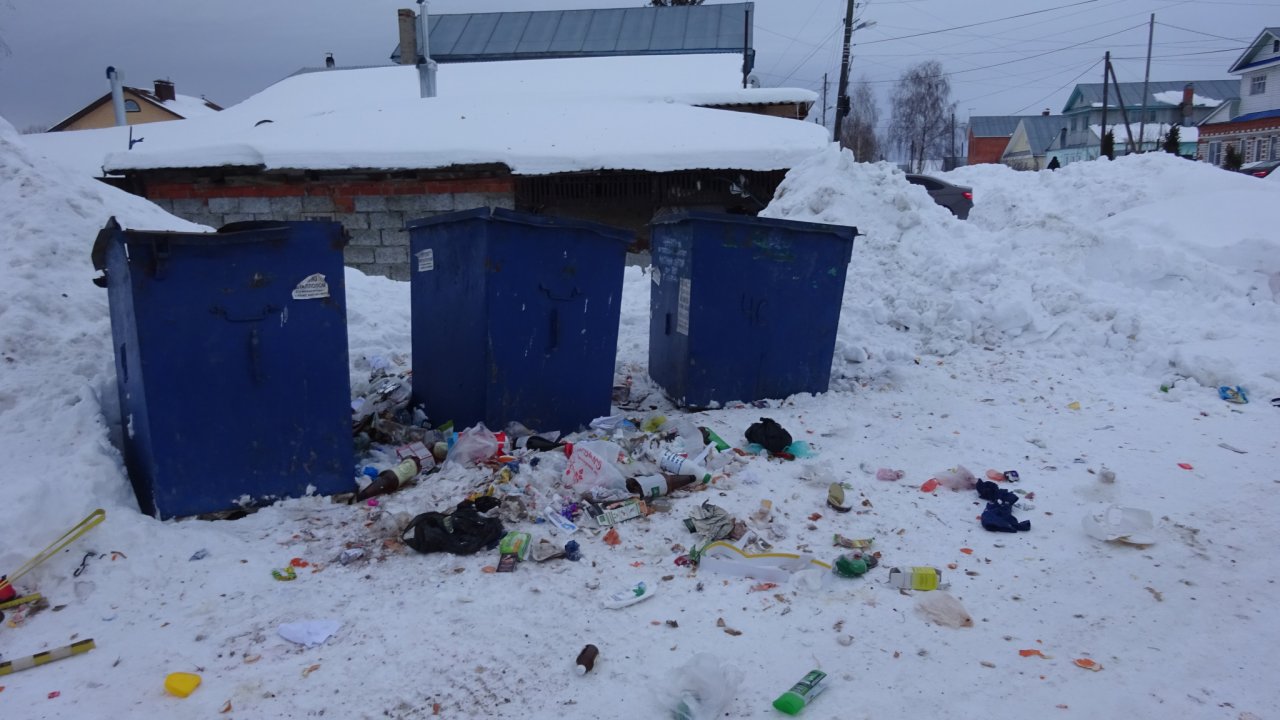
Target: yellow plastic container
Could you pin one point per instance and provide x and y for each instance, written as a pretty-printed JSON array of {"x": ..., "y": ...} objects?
[{"x": 181, "y": 684}]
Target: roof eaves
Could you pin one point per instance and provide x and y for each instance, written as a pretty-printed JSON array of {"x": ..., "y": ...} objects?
[{"x": 1258, "y": 42}]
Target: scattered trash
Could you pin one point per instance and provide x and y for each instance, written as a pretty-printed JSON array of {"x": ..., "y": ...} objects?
[
  {"x": 9, "y": 667},
  {"x": 710, "y": 521},
  {"x": 835, "y": 498},
  {"x": 515, "y": 543},
  {"x": 1120, "y": 524},
  {"x": 393, "y": 479},
  {"x": 770, "y": 435},
  {"x": 54, "y": 694},
  {"x": 853, "y": 543},
  {"x": 1233, "y": 394},
  {"x": 285, "y": 574},
  {"x": 723, "y": 558},
  {"x": 611, "y": 538},
  {"x": 199, "y": 555},
  {"x": 889, "y": 475},
  {"x": 1073, "y": 405},
  {"x": 463, "y": 532},
  {"x": 1186, "y": 466},
  {"x": 1106, "y": 476},
  {"x": 310, "y": 669},
  {"x": 854, "y": 564},
  {"x": 929, "y": 485},
  {"x": 181, "y": 684},
  {"x": 572, "y": 552},
  {"x": 944, "y": 609},
  {"x": 1087, "y": 664},
  {"x": 916, "y": 578},
  {"x": 956, "y": 478},
  {"x": 802, "y": 693},
  {"x": 636, "y": 593},
  {"x": 587, "y": 659},
  {"x": 309, "y": 633},
  {"x": 1232, "y": 448},
  {"x": 350, "y": 555},
  {"x": 1034, "y": 653},
  {"x": 702, "y": 688},
  {"x": 91, "y": 521},
  {"x": 611, "y": 514},
  {"x": 679, "y": 465}
]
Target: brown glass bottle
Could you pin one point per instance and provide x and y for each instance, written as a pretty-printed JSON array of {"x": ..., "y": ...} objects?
[
  {"x": 392, "y": 479},
  {"x": 656, "y": 485}
]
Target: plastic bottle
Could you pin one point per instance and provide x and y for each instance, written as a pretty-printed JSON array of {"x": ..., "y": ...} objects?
[
  {"x": 393, "y": 479},
  {"x": 802, "y": 693},
  {"x": 537, "y": 443},
  {"x": 677, "y": 464},
  {"x": 650, "y": 486},
  {"x": 587, "y": 659}
]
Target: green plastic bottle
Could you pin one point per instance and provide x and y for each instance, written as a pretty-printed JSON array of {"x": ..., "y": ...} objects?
[{"x": 802, "y": 693}]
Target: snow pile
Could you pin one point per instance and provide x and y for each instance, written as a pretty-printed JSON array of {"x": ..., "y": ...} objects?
[{"x": 1150, "y": 263}]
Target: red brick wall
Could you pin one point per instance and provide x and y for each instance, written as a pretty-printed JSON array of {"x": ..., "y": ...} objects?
[{"x": 986, "y": 149}]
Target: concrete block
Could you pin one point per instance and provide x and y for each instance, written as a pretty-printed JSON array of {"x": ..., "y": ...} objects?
[
  {"x": 353, "y": 221},
  {"x": 185, "y": 207},
  {"x": 466, "y": 201},
  {"x": 255, "y": 205},
  {"x": 237, "y": 217},
  {"x": 386, "y": 220},
  {"x": 222, "y": 205},
  {"x": 317, "y": 203},
  {"x": 370, "y": 203},
  {"x": 287, "y": 208},
  {"x": 439, "y": 203},
  {"x": 395, "y": 238},
  {"x": 392, "y": 255},
  {"x": 369, "y": 238},
  {"x": 355, "y": 255}
]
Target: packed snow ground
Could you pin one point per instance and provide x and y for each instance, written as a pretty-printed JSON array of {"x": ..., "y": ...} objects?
[{"x": 959, "y": 343}]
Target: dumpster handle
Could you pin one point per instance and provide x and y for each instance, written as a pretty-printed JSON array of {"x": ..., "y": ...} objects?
[
  {"x": 266, "y": 311},
  {"x": 573, "y": 293}
]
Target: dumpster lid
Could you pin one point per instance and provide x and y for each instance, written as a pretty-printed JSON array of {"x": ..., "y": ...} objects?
[
  {"x": 523, "y": 218},
  {"x": 678, "y": 216}
]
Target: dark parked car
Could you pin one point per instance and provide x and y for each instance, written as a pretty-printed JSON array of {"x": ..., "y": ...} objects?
[
  {"x": 1262, "y": 168},
  {"x": 956, "y": 198}
]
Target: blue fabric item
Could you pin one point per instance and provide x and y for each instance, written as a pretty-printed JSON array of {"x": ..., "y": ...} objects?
[
  {"x": 998, "y": 517},
  {"x": 992, "y": 492}
]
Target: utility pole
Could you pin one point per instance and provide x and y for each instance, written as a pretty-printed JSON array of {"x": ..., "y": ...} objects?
[
  {"x": 1106, "y": 69},
  {"x": 1142, "y": 127},
  {"x": 842, "y": 96},
  {"x": 824, "y": 100},
  {"x": 1124, "y": 113},
  {"x": 953, "y": 141}
]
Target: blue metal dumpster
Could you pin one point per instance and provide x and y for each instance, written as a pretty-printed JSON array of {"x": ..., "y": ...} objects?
[
  {"x": 515, "y": 317},
  {"x": 744, "y": 308},
  {"x": 231, "y": 363}
]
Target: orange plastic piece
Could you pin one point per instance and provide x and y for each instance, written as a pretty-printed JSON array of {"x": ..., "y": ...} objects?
[
  {"x": 299, "y": 563},
  {"x": 612, "y": 538},
  {"x": 1185, "y": 466},
  {"x": 967, "y": 551},
  {"x": 1087, "y": 664},
  {"x": 929, "y": 485},
  {"x": 1032, "y": 653},
  {"x": 995, "y": 476}
]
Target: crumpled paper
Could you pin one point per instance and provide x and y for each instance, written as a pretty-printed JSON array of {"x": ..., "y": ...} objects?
[{"x": 309, "y": 633}]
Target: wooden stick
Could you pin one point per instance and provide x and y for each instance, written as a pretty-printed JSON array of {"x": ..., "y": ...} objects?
[{"x": 46, "y": 657}]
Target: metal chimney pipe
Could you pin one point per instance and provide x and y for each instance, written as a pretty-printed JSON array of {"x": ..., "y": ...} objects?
[
  {"x": 426, "y": 66},
  {"x": 408, "y": 36},
  {"x": 117, "y": 94}
]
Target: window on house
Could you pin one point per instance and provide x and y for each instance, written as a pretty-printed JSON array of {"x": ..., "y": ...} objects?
[
  {"x": 1275, "y": 46},
  {"x": 131, "y": 106},
  {"x": 1275, "y": 147},
  {"x": 1215, "y": 153},
  {"x": 1258, "y": 85}
]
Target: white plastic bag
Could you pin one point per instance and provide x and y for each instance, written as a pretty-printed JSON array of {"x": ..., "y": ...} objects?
[
  {"x": 702, "y": 688},
  {"x": 593, "y": 464},
  {"x": 943, "y": 609},
  {"x": 474, "y": 445}
]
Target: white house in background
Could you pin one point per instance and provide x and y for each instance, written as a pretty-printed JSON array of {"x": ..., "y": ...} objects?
[{"x": 1252, "y": 124}]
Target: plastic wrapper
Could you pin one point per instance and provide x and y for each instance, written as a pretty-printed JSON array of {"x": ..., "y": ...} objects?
[
  {"x": 474, "y": 445},
  {"x": 701, "y": 689},
  {"x": 957, "y": 478},
  {"x": 943, "y": 609}
]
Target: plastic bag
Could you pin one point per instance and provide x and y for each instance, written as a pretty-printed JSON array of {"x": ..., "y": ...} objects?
[
  {"x": 957, "y": 478},
  {"x": 702, "y": 688},
  {"x": 593, "y": 464},
  {"x": 474, "y": 445},
  {"x": 943, "y": 609}
]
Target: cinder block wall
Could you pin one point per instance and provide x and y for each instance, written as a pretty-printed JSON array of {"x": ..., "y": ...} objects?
[{"x": 373, "y": 212}]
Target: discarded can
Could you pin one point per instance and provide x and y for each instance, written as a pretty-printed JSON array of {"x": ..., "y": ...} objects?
[
  {"x": 915, "y": 578},
  {"x": 350, "y": 555},
  {"x": 587, "y": 659},
  {"x": 1011, "y": 476},
  {"x": 802, "y": 693}
]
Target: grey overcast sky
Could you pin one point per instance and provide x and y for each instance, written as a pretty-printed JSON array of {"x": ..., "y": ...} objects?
[{"x": 55, "y": 52}]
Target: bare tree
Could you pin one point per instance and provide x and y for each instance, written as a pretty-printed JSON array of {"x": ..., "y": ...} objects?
[
  {"x": 921, "y": 113},
  {"x": 859, "y": 131}
]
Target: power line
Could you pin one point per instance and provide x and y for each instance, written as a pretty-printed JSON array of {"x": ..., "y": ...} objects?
[
  {"x": 1056, "y": 90},
  {"x": 815, "y": 50},
  {"x": 1175, "y": 27},
  {"x": 984, "y": 22}
]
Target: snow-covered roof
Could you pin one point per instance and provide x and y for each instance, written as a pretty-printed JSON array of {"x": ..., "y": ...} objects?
[
  {"x": 1174, "y": 97},
  {"x": 1212, "y": 92},
  {"x": 536, "y": 116},
  {"x": 1246, "y": 60},
  {"x": 531, "y": 136},
  {"x": 1149, "y": 132}
]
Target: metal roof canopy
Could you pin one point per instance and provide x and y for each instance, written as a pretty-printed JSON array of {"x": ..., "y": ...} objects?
[{"x": 480, "y": 37}]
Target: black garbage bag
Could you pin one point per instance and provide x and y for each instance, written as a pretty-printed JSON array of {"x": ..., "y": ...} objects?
[
  {"x": 462, "y": 532},
  {"x": 769, "y": 434}
]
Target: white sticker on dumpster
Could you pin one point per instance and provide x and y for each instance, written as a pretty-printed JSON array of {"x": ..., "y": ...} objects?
[
  {"x": 426, "y": 260},
  {"x": 682, "y": 308},
  {"x": 312, "y": 287}
]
